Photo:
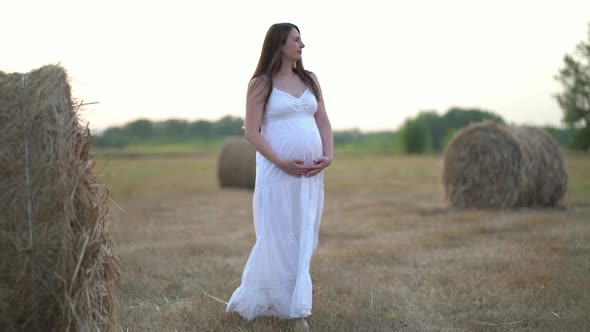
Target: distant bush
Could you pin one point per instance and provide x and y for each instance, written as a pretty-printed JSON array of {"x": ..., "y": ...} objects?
[
  {"x": 415, "y": 137},
  {"x": 429, "y": 132}
]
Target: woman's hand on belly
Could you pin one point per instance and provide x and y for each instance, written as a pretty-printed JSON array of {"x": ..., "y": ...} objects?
[
  {"x": 319, "y": 165},
  {"x": 294, "y": 167}
]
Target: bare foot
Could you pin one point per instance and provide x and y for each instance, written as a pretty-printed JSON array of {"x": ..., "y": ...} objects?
[{"x": 301, "y": 324}]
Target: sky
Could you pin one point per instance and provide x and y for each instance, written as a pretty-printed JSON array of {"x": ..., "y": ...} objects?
[{"x": 378, "y": 62}]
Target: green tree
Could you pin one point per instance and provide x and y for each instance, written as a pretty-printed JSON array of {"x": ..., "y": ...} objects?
[
  {"x": 574, "y": 100},
  {"x": 447, "y": 138},
  {"x": 561, "y": 135},
  {"x": 459, "y": 117},
  {"x": 112, "y": 137},
  {"x": 228, "y": 126},
  {"x": 201, "y": 128},
  {"x": 139, "y": 129},
  {"x": 172, "y": 130},
  {"x": 436, "y": 127},
  {"x": 415, "y": 136}
]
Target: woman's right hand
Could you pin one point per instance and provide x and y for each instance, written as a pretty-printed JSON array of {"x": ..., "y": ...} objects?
[{"x": 293, "y": 167}]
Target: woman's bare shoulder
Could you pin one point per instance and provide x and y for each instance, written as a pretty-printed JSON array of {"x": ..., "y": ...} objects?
[
  {"x": 313, "y": 77},
  {"x": 257, "y": 83}
]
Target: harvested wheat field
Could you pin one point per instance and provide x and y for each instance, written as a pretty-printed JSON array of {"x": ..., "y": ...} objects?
[{"x": 391, "y": 256}]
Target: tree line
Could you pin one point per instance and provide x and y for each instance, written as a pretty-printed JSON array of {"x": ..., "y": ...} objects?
[
  {"x": 427, "y": 132},
  {"x": 169, "y": 131},
  {"x": 143, "y": 131},
  {"x": 430, "y": 132}
]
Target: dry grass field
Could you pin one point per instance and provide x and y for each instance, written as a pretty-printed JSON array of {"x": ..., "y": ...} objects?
[{"x": 391, "y": 256}]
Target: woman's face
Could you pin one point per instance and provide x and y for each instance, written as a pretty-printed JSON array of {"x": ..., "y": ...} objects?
[{"x": 293, "y": 46}]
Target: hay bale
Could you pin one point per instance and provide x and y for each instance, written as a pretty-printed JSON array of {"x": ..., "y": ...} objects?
[
  {"x": 58, "y": 268},
  {"x": 236, "y": 166},
  {"x": 487, "y": 165}
]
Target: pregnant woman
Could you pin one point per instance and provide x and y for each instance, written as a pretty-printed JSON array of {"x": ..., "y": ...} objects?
[{"x": 287, "y": 122}]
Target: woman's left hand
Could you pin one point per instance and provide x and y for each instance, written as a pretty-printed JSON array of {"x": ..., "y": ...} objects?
[{"x": 319, "y": 165}]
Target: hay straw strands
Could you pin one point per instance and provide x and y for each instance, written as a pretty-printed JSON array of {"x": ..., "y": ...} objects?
[
  {"x": 59, "y": 267},
  {"x": 237, "y": 164},
  {"x": 215, "y": 298},
  {"x": 487, "y": 165}
]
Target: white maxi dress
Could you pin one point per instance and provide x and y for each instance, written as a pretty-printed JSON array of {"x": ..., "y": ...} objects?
[{"x": 287, "y": 211}]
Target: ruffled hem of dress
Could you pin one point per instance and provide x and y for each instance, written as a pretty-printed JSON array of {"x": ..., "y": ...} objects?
[{"x": 276, "y": 302}]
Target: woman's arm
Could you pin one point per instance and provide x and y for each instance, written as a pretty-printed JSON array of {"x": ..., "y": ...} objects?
[
  {"x": 325, "y": 128},
  {"x": 254, "y": 112}
]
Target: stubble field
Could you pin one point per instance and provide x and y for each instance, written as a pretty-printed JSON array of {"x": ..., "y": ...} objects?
[{"x": 391, "y": 256}]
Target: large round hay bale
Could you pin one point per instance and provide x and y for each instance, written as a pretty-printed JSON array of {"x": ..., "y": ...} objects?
[
  {"x": 59, "y": 271},
  {"x": 237, "y": 164},
  {"x": 487, "y": 165}
]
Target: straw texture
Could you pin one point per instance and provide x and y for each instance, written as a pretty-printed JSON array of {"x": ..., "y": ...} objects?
[
  {"x": 58, "y": 267},
  {"x": 237, "y": 164},
  {"x": 487, "y": 165}
]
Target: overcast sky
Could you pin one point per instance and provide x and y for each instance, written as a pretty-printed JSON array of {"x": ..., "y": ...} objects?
[{"x": 379, "y": 62}]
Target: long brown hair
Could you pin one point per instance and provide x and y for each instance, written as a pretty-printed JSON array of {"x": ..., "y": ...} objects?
[{"x": 270, "y": 60}]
